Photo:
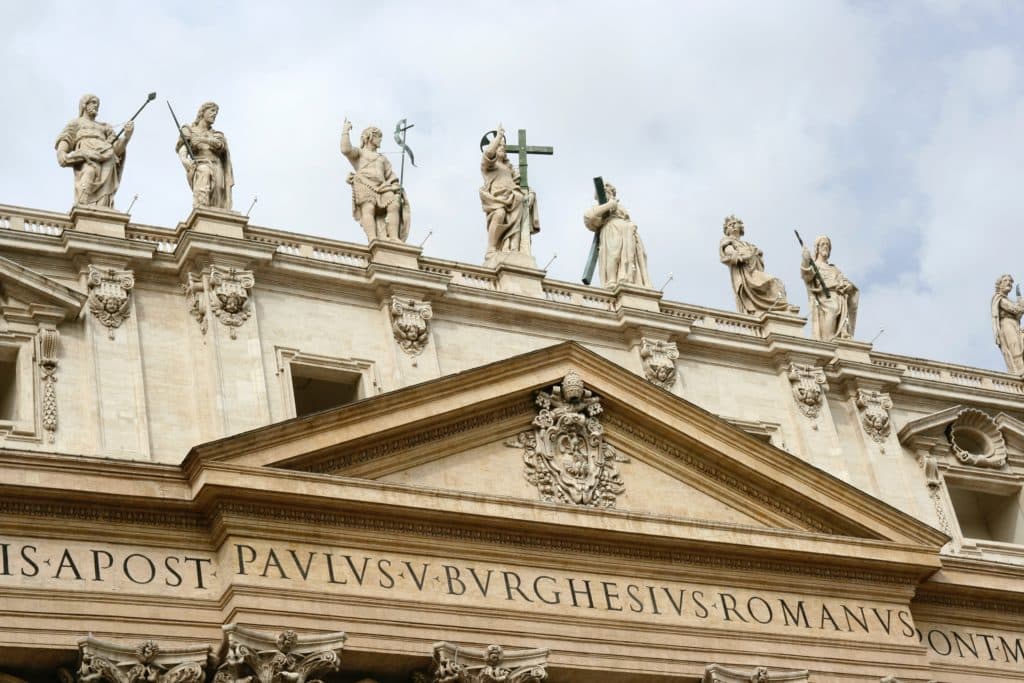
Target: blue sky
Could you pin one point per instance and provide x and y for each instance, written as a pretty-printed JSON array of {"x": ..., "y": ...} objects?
[{"x": 897, "y": 128}]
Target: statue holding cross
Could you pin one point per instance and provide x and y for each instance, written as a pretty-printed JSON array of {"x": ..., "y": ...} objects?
[{"x": 508, "y": 201}]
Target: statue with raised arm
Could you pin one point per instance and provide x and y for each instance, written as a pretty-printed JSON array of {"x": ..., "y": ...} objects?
[
  {"x": 511, "y": 209},
  {"x": 204, "y": 154},
  {"x": 375, "y": 187},
  {"x": 756, "y": 291},
  {"x": 95, "y": 152},
  {"x": 833, "y": 313},
  {"x": 1006, "y": 316},
  {"x": 622, "y": 254}
]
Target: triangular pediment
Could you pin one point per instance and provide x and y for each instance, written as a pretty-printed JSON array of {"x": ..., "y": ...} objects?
[
  {"x": 25, "y": 292},
  {"x": 463, "y": 437}
]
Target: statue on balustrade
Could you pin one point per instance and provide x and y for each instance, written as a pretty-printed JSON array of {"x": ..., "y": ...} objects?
[
  {"x": 756, "y": 291},
  {"x": 511, "y": 209},
  {"x": 379, "y": 202},
  {"x": 1006, "y": 316},
  {"x": 204, "y": 154},
  {"x": 95, "y": 152},
  {"x": 833, "y": 316},
  {"x": 622, "y": 254}
]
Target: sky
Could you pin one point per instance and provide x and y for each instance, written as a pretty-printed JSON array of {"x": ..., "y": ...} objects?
[{"x": 896, "y": 128}]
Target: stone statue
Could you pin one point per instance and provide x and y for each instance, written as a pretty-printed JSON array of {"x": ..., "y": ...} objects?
[
  {"x": 511, "y": 209},
  {"x": 207, "y": 160},
  {"x": 756, "y": 291},
  {"x": 622, "y": 254},
  {"x": 1006, "y": 316},
  {"x": 833, "y": 316},
  {"x": 90, "y": 148},
  {"x": 378, "y": 198}
]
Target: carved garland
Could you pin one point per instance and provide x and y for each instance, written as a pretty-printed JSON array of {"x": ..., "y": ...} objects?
[
  {"x": 659, "y": 359},
  {"x": 409, "y": 324},
  {"x": 108, "y": 296},
  {"x": 48, "y": 377},
  {"x": 195, "y": 301},
  {"x": 565, "y": 454},
  {"x": 229, "y": 296}
]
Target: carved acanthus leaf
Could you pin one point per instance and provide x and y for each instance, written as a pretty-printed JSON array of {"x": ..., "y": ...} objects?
[
  {"x": 109, "y": 291},
  {"x": 493, "y": 664},
  {"x": 230, "y": 290},
  {"x": 809, "y": 388},
  {"x": 565, "y": 453},
  {"x": 249, "y": 656},
  {"x": 659, "y": 359},
  {"x": 101, "y": 662},
  {"x": 409, "y": 324},
  {"x": 716, "y": 673}
]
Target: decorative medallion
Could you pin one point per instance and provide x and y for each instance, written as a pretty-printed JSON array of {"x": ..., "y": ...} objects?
[
  {"x": 809, "y": 386},
  {"x": 565, "y": 453},
  {"x": 455, "y": 664},
  {"x": 249, "y": 656},
  {"x": 976, "y": 439},
  {"x": 108, "y": 296},
  {"x": 229, "y": 296},
  {"x": 146, "y": 663},
  {"x": 409, "y": 324},
  {"x": 659, "y": 358},
  {"x": 875, "y": 416}
]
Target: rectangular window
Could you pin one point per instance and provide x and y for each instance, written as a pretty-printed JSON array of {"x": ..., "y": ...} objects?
[
  {"x": 8, "y": 383},
  {"x": 988, "y": 515},
  {"x": 319, "y": 388}
]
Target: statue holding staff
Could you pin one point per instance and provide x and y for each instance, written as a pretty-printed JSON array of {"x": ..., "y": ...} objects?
[
  {"x": 204, "y": 154},
  {"x": 1006, "y": 315},
  {"x": 833, "y": 299},
  {"x": 621, "y": 254},
  {"x": 379, "y": 203},
  {"x": 756, "y": 291},
  {"x": 95, "y": 152}
]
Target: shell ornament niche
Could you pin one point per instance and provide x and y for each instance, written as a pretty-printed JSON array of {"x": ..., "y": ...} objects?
[{"x": 976, "y": 439}]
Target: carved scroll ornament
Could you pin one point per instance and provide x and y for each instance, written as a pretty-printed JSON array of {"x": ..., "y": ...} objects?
[
  {"x": 230, "y": 290},
  {"x": 109, "y": 291},
  {"x": 409, "y": 324},
  {"x": 659, "y": 358},
  {"x": 249, "y": 656},
  {"x": 195, "y": 300},
  {"x": 565, "y": 453},
  {"x": 146, "y": 663},
  {"x": 875, "y": 407},
  {"x": 455, "y": 664},
  {"x": 715, "y": 673},
  {"x": 809, "y": 387}
]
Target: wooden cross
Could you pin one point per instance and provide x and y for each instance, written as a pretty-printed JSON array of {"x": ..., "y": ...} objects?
[{"x": 522, "y": 149}]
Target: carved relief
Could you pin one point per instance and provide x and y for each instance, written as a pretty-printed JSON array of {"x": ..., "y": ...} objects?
[
  {"x": 976, "y": 439},
  {"x": 48, "y": 377},
  {"x": 108, "y": 296},
  {"x": 146, "y": 663},
  {"x": 809, "y": 387},
  {"x": 195, "y": 301},
  {"x": 715, "y": 673},
  {"x": 565, "y": 453},
  {"x": 230, "y": 290},
  {"x": 875, "y": 407},
  {"x": 455, "y": 664},
  {"x": 409, "y": 323},
  {"x": 659, "y": 358},
  {"x": 249, "y": 656}
]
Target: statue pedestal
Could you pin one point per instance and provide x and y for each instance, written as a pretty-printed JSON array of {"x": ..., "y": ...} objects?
[
  {"x": 216, "y": 222},
  {"x": 522, "y": 280},
  {"x": 788, "y": 323},
  {"x": 93, "y": 220},
  {"x": 511, "y": 258},
  {"x": 632, "y": 296},
  {"x": 392, "y": 253}
]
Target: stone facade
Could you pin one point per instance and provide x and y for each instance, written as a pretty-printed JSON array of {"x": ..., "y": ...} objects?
[{"x": 267, "y": 446}]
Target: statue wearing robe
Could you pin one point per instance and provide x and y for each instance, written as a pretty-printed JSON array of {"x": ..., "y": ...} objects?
[
  {"x": 622, "y": 254},
  {"x": 756, "y": 291},
  {"x": 1006, "y": 315},
  {"x": 209, "y": 174},
  {"x": 833, "y": 316},
  {"x": 511, "y": 210},
  {"x": 89, "y": 148}
]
